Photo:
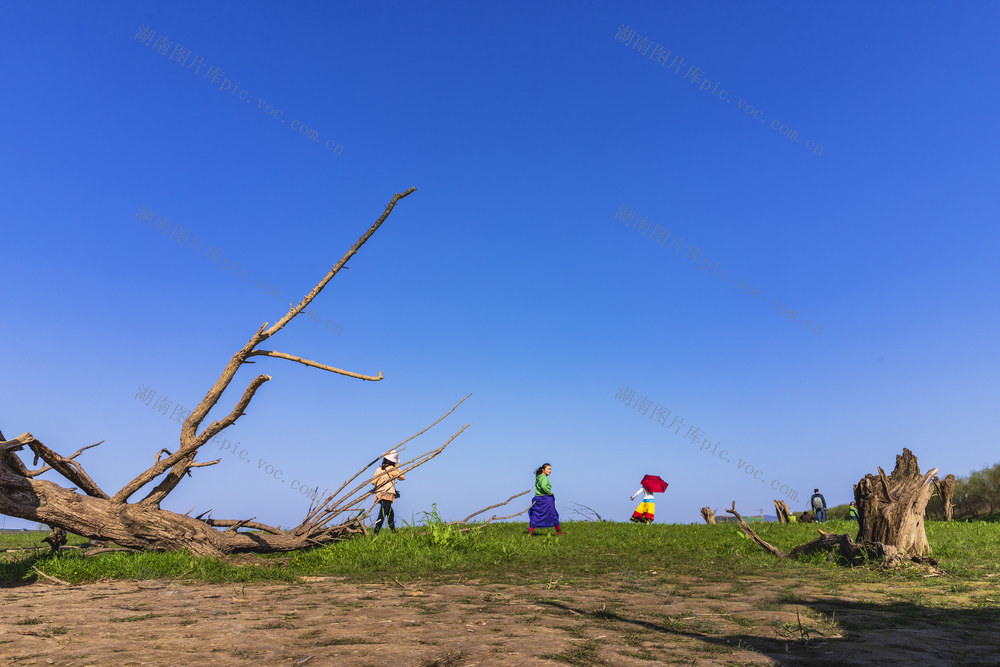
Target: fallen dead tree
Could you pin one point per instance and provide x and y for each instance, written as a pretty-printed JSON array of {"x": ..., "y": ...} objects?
[
  {"x": 89, "y": 511},
  {"x": 890, "y": 520}
]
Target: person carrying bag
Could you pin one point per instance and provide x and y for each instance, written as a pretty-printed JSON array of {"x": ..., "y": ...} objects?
[{"x": 384, "y": 481}]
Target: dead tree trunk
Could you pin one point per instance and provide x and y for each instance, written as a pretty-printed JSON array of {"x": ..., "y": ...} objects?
[
  {"x": 781, "y": 507},
  {"x": 143, "y": 524},
  {"x": 708, "y": 514},
  {"x": 891, "y": 509},
  {"x": 946, "y": 489},
  {"x": 890, "y": 514}
]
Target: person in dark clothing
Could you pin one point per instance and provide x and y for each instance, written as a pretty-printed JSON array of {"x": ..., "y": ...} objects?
[
  {"x": 818, "y": 503},
  {"x": 806, "y": 518}
]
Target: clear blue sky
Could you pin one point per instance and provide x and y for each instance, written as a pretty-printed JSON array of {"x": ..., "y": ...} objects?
[{"x": 507, "y": 275}]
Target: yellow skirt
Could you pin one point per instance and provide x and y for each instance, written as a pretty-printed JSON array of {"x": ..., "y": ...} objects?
[{"x": 644, "y": 512}]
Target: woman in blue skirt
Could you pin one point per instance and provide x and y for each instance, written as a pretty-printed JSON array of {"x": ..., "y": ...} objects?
[{"x": 543, "y": 512}]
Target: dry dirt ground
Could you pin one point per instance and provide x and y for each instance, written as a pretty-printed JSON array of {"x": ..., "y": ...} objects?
[{"x": 628, "y": 619}]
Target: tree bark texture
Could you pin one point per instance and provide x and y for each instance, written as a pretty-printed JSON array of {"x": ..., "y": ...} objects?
[
  {"x": 708, "y": 514},
  {"x": 891, "y": 509}
]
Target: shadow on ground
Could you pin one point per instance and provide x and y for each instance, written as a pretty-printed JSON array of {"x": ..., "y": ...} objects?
[{"x": 896, "y": 632}]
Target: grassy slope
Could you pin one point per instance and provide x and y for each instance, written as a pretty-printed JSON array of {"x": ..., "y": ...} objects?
[{"x": 504, "y": 553}]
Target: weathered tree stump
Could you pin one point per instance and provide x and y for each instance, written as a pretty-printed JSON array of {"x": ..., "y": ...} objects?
[
  {"x": 708, "y": 514},
  {"x": 891, "y": 509},
  {"x": 781, "y": 507},
  {"x": 890, "y": 516},
  {"x": 946, "y": 489}
]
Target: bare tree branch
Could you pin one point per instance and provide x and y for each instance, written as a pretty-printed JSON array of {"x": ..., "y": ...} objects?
[
  {"x": 190, "y": 440},
  {"x": 338, "y": 266},
  {"x": 466, "y": 519},
  {"x": 752, "y": 535},
  {"x": 239, "y": 524},
  {"x": 205, "y": 464},
  {"x": 65, "y": 466},
  {"x": 50, "y": 577},
  {"x": 492, "y": 518},
  {"x": 416, "y": 435},
  {"x": 333, "y": 507},
  {"x": 190, "y": 426},
  {"x": 495, "y": 518},
  {"x": 183, "y": 458},
  {"x": 76, "y": 453},
  {"x": 314, "y": 511},
  {"x": 315, "y": 364},
  {"x": 586, "y": 511}
]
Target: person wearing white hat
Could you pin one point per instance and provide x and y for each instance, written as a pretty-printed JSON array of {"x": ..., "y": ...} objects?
[{"x": 384, "y": 481}]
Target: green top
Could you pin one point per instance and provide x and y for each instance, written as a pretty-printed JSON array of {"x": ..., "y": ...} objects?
[
  {"x": 853, "y": 510},
  {"x": 543, "y": 487}
]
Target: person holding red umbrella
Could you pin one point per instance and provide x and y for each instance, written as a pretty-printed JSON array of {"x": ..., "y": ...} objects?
[{"x": 647, "y": 508}]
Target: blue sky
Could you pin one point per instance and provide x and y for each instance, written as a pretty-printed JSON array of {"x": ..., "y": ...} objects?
[{"x": 510, "y": 274}]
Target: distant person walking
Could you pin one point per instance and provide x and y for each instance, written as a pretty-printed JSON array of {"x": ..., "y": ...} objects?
[
  {"x": 542, "y": 513},
  {"x": 646, "y": 510},
  {"x": 818, "y": 503},
  {"x": 384, "y": 480},
  {"x": 650, "y": 484},
  {"x": 852, "y": 512}
]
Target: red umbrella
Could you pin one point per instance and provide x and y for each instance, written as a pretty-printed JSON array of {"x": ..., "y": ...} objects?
[{"x": 654, "y": 484}]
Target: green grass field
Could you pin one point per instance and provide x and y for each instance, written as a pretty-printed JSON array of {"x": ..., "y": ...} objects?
[
  {"x": 605, "y": 593},
  {"x": 505, "y": 553}
]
